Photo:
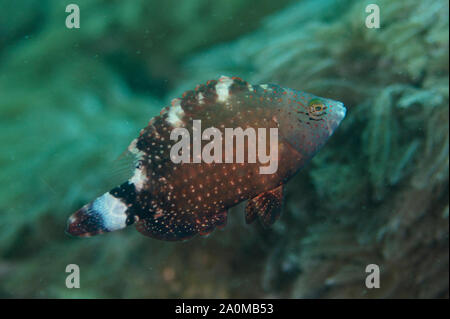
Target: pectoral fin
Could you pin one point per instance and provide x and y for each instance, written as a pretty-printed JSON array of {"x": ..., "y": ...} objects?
[{"x": 266, "y": 206}]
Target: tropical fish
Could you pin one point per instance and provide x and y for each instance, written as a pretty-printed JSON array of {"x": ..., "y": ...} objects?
[{"x": 169, "y": 199}]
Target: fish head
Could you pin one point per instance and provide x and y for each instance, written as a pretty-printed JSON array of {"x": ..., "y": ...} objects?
[{"x": 307, "y": 121}]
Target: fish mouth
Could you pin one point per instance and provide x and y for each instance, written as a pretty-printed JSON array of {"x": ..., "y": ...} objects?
[
  {"x": 335, "y": 119},
  {"x": 341, "y": 111}
]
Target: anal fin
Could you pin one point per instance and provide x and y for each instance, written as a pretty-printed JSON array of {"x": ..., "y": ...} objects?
[
  {"x": 180, "y": 226},
  {"x": 266, "y": 206}
]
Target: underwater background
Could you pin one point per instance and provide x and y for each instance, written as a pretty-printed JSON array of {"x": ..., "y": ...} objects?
[{"x": 71, "y": 100}]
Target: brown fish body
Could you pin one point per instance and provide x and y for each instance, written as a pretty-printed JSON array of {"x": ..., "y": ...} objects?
[{"x": 174, "y": 201}]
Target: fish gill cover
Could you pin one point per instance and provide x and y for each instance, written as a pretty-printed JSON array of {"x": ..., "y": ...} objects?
[{"x": 72, "y": 100}]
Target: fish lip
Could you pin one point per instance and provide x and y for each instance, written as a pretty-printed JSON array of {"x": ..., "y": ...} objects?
[
  {"x": 342, "y": 111},
  {"x": 339, "y": 113}
]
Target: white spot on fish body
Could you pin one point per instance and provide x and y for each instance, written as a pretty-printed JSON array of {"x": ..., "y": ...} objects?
[
  {"x": 200, "y": 98},
  {"x": 222, "y": 88},
  {"x": 176, "y": 113},
  {"x": 139, "y": 179},
  {"x": 134, "y": 150}
]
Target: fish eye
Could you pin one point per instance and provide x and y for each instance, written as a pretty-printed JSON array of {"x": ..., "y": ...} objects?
[{"x": 316, "y": 107}]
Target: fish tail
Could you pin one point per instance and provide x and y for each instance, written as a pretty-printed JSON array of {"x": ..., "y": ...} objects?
[{"x": 106, "y": 213}]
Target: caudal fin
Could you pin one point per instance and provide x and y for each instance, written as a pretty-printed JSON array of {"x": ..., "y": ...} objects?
[{"x": 105, "y": 214}]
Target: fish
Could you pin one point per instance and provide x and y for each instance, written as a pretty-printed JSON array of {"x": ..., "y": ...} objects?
[{"x": 174, "y": 195}]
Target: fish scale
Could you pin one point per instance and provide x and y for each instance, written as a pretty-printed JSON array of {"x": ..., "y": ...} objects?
[{"x": 175, "y": 201}]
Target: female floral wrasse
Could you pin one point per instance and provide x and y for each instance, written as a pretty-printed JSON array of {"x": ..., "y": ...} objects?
[{"x": 174, "y": 200}]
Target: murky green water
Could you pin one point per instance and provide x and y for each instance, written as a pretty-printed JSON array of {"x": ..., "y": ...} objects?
[{"x": 72, "y": 99}]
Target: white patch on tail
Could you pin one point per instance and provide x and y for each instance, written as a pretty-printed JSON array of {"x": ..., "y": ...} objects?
[{"x": 112, "y": 210}]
